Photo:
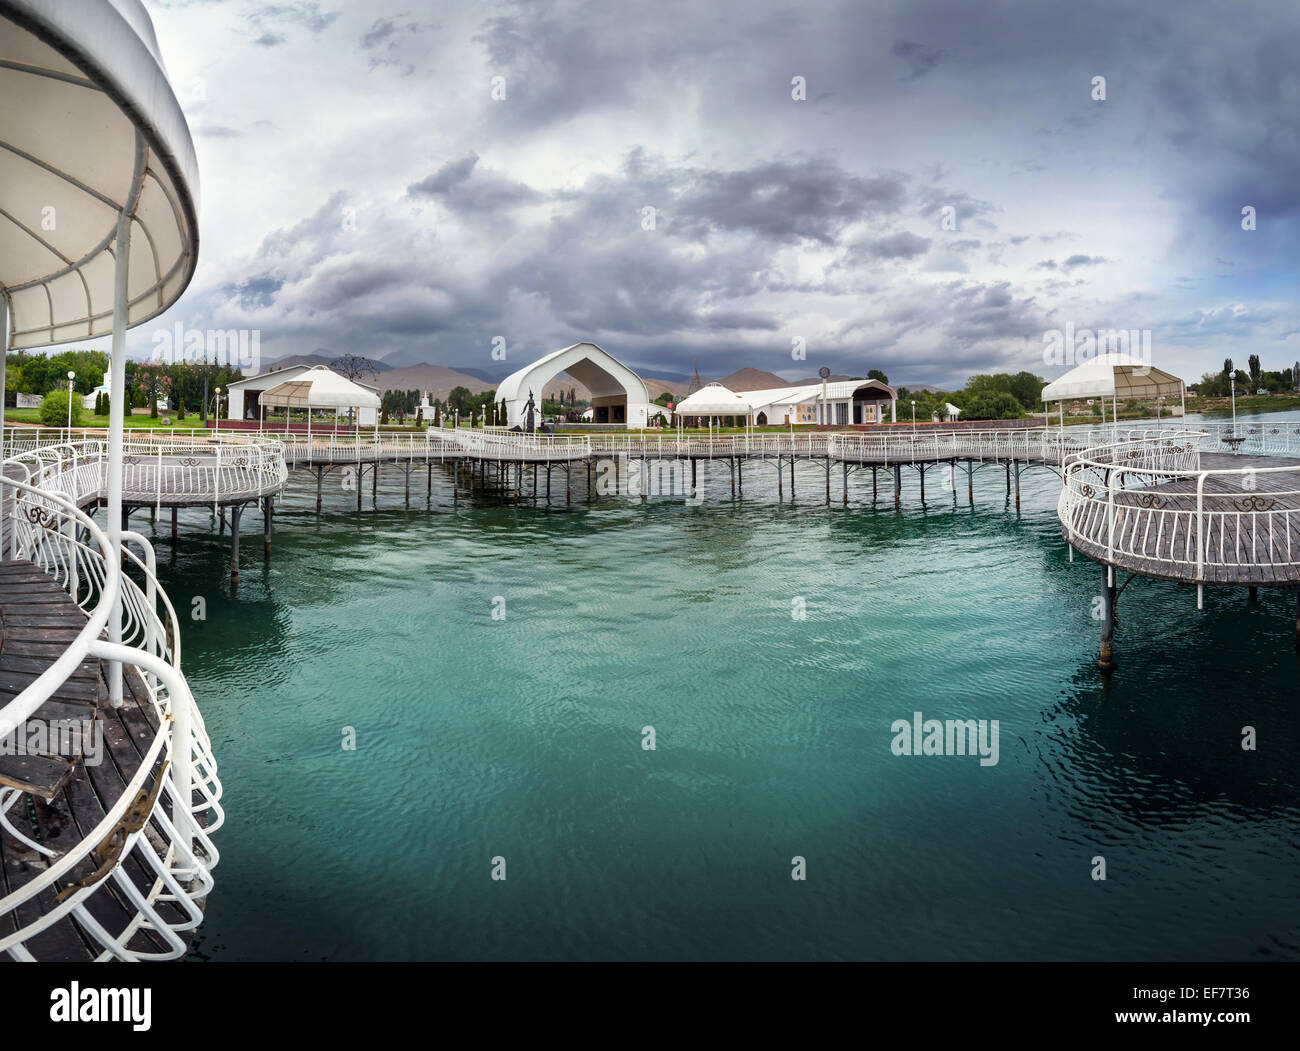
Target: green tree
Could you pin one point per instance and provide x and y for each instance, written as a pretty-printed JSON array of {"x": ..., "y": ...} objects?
[
  {"x": 54, "y": 409},
  {"x": 153, "y": 381},
  {"x": 993, "y": 405},
  {"x": 876, "y": 374},
  {"x": 1253, "y": 363},
  {"x": 1028, "y": 389}
]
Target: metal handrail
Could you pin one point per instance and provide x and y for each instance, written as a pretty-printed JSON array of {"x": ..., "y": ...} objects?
[{"x": 48, "y": 528}]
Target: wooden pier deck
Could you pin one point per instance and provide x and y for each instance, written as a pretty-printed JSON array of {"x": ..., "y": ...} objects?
[{"x": 58, "y": 800}]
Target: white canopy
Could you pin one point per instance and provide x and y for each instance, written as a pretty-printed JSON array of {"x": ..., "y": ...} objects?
[
  {"x": 1113, "y": 375},
  {"x": 320, "y": 387},
  {"x": 714, "y": 400},
  {"x": 89, "y": 129}
]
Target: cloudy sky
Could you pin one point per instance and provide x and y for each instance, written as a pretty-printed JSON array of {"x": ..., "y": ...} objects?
[{"x": 416, "y": 180}]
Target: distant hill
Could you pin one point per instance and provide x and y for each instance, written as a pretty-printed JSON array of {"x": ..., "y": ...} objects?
[
  {"x": 437, "y": 380},
  {"x": 290, "y": 360},
  {"x": 753, "y": 379}
]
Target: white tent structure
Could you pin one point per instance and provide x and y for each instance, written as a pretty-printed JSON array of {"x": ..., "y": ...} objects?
[
  {"x": 95, "y": 159},
  {"x": 320, "y": 387},
  {"x": 714, "y": 400},
  {"x": 1114, "y": 375}
]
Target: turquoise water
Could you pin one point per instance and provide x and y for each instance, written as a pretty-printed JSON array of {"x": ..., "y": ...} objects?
[{"x": 521, "y": 737}]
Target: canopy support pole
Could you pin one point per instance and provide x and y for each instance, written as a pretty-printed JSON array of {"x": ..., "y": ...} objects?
[
  {"x": 117, "y": 423},
  {"x": 4, "y": 354}
]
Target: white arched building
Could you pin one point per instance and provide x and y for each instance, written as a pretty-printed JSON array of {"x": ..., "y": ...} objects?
[{"x": 618, "y": 396}]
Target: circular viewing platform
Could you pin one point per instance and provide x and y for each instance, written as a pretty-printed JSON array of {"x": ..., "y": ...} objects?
[
  {"x": 161, "y": 470},
  {"x": 1177, "y": 508}
]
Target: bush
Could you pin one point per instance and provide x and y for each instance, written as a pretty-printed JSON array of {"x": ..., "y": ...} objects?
[
  {"x": 180, "y": 409},
  {"x": 54, "y": 409}
]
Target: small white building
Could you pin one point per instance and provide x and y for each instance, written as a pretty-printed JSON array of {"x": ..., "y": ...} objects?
[
  {"x": 845, "y": 402},
  {"x": 948, "y": 413},
  {"x": 244, "y": 395}
]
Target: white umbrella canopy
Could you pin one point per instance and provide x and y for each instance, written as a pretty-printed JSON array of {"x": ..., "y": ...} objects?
[
  {"x": 319, "y": 388},
  {"x": 89, "y": 129},
  {"x": 1113, "y": 375},
  {"x": 714, "y": 400}
]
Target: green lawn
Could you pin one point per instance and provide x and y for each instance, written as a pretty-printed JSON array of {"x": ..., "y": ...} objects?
[{"x": 139, "y": 422}]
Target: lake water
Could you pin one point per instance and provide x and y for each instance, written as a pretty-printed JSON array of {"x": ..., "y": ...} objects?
[{"x": 521, "y": 738}]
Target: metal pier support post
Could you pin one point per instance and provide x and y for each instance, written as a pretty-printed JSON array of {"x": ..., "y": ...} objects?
[
  {"x": 898, "y": 485},
  {"x": 792, "y": 476},
  {"x": 1106, "y": 656},
  {"x": 1297, "y": 620},
  {"x": 236, "y": 512},
  {"x": 374, "y": 481},
  {"x": 921, "y": 468},
  {"x": 1252, "y": 594},
  {"x": 731, "y": 469},
  {"x": 828, "y": 479},
  {"x": 220, "y": 532},
  {"x": 428, "y": 480},
  {"x": 408, "y": 485},
  {"x": 568, "y": 484},
  {"x": 266, "y": 526},
  {"x": 740, "y": 477},
  {"x": 548, "y": 483},
  {"x": 970, "y": 481},
  {"x": 845, "y": 467},
  {"x": 174, "y": 523},
  {"x": 358, "y": 485},
  {"x": 320, "y": 479},
  {"x": 873, "y": 483},
  {"x": 1017, "y": 484}
]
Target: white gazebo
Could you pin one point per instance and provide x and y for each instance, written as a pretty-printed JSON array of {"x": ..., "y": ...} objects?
[
  {"x": 95, "y": 160},
  {"x": 714, "y": 400},
  {"x": 320, "y": 387},
  {"x": 1113, "y": 376}
]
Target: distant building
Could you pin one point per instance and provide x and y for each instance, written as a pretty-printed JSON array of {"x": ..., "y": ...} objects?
[
  {"x": 696, "y": 383},
  {"x": 846, "y": 402}
]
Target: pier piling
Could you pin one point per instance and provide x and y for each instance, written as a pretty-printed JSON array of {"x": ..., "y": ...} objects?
[
  {"x": 266, "y": 526},
  {"x": 1106, "y": 656},
  {"x": 236, "y": 512}
]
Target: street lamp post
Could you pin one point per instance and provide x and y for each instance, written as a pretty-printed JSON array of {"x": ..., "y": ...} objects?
[
  {"x": 216, "y": 420},
  {"x": 1232, "y": 380},
  {"x": 71, "y": 376},
  {"x": 913, "y": 415}
]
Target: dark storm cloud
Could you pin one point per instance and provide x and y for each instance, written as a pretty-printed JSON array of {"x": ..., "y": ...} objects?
[
  {"x": 918, "y": 58},
  {"x": 526, "y": 216},
  {"x": 306, "y": 13},
  {"x": 902, "y": 245}
]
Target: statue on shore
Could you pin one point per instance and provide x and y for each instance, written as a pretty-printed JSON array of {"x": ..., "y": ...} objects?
[{"x": 529, "y": 408}]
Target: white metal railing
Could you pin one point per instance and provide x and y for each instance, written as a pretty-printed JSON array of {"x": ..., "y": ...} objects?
[
  {"x": 1152, "y": 500},
  {"x": 172, "y": 846},
  {"x": 158, "y": 468}
]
